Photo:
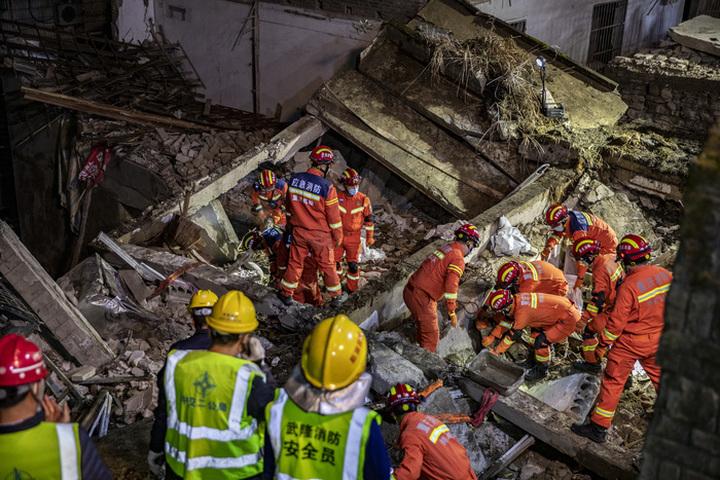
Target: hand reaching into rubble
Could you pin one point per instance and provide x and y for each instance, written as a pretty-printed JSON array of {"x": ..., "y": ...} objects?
[{"x": 55, "y": 413}]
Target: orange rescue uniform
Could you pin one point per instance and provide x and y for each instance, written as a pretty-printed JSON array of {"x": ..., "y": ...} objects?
[
  {"x": 583, "y": 225},
  {"x": 355, "y": 211},
  {"x": 309, "y": 289},
  {"x": 316, "y": 229},
  {"x": 271, "y": 204},
  {"x": 633, "y": 329},
  {"x": 431, "y": 452},
  {"x": 554, "y": 315},
  {"x": 606, "y": 275},
  {"x": 438, "y": 277}
]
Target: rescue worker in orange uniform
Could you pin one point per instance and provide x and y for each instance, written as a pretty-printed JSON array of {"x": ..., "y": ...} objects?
[
  {"x": 275, "y": 242},
  {"x": 551, "y": 319},
  {"x": 356, "y": 212},
  {"x": 607, "y": 274},
  {"x": 633, "y": 330},
  {"x": 572, "y": 224},
  {"x": 522, "y": 277},
  {"x": 268, "y": 198},
  {"x": 316, "y": 226},
  {"x": 438, "y": 277},
  {"x": 431, "y": 452}
]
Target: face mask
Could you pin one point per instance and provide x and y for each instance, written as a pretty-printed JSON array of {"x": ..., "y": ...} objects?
[
  {"x": 558, "y": 228},
  {"x": 352, "y": 191}
]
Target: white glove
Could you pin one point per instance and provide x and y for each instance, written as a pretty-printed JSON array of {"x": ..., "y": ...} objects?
[
  {"x": 254, "y": 352},
  {"x": 156, "y": 462}
]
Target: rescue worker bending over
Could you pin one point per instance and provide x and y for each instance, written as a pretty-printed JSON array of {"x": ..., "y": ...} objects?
[
  {"x": 317, "y": 426},
  {"x": 607, "y": 275},
  {"x": 572, "y": 224},
  {"x": 200, "y": 307},
  {"x": 521, "y": 277},
  {"x": 216, "y": 398},
  {"x": 430, "y": 451},
  {"x": 268, "y": 198},
  {"x": 633, "y": 330},
  {"x": 551, "y": 319},
  {"x": 316, "y": 226},
  {"x": 438, "y": 277},
  {"x": 37, "y": 439},
  {"x": 356, "y": 212}
]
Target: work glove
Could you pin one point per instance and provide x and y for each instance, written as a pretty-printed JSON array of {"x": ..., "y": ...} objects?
[
  {"x": 156, "y": 463},
  {"x": 453, "y": 318},
  {"x": 488, "y": 341},
  {"x": 254, "y": 351}
]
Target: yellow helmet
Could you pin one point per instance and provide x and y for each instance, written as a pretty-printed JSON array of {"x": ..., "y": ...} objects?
[
  {"x": 233, "y": 313},
  {"x": 334, "y": 354},
  {"x": 203, "y": 299}
]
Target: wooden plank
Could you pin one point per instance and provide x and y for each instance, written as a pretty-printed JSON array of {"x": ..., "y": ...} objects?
[
  {"x": 108, "y": 111},
  {"x": 553, "y": 427}
]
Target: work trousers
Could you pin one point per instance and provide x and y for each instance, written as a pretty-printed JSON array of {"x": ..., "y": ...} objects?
[
  {"x": 424, "y": 313},
  {"x": 350, "y": 249},
  {"x": 320, "y": 246},
  {"x": 595, "y": 325},
  {"x": 624, "y": 353},
  {"x": 309, "y": 289}
]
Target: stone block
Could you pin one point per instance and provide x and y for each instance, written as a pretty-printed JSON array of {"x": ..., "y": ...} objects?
[
  {"x": 82, "y": 373},
  {"x": 456, "y": 346},
  {"x": 389, "y": 368}
]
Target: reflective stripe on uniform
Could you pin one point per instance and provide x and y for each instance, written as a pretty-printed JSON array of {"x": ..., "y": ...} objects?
[
  {"x": 356, "y": 210},
  {"x": 333, "y": 288},
  {"x": 68, "y": 450},
  {"x": 437, "y": 432},
  {"x": 508, "y": 341},
  {"x": 653, "y": 293},
  {"x": 303, "y": 193},
  {"x": 592, "y": 308},
  {"x": 342, "y": 209},
  {"x": 439, "y": 254},
  {"x": 533, "y": 300},
  {"x": 604, "y": 413},
  {"x": 542, "y": 358},
  {"x": 354, "y": 442},
  {"x": 331, "y": 202},
  {"x": 350, "y": 276},
  {"x": 532, "y": 269},
  {"x": 610, "y": 336},
  {"x": 370, "y": 228},
  {"x": 589, "y": 348},
  {"x": 211, "y": 462},
  {"x": 616, "y": 274},
  {"x": 288, "y": 285},
  {"x": 588, "y": 218},
  {"x": 450, "y": 296},
  {"x": 506, "y": 324},
  {"x": 454, "y": 268},
  {"x": 336, "y": 225}
]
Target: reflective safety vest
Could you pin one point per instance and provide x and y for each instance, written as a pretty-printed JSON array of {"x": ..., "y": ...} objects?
[
  {"x": 209, "y": 433},
  {"x": 314, "y": 446},
  {"x": 47, "y": 450}
]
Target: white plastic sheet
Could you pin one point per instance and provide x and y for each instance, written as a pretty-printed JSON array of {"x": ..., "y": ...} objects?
[{"x": 508, "y": 241}]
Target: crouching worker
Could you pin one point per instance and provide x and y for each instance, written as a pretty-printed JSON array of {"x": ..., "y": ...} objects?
[
  {"x": 430, "y": 451},
  {"x": 317, "y": 426},
  {"x": 216, "y": 399},
  {"x": 36, "y": 438}
]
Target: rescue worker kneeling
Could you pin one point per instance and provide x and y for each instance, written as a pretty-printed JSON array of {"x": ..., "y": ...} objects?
[
  {"x": 216, "y": 399},
  {"x": 317, "y": 425},
  {"x": 430, "y": 451}
]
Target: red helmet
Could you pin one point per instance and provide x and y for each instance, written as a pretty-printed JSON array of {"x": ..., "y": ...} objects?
[
  {"x": 402, "y": 396},
  {"x": 468, "y": 233},
  {"x": 508, "y": 274},
  {"x": 633, "y": 249},
  {"x": 499, "y": 300},
  {"x": 585, "y": 247},
  {"x": 351, "y": 177},
  {"x": 555, "y": 214},
  {"x": 322, "y": 155},
  {"x": 267, "y": 179},
  {"x": 21, "y": 361}
]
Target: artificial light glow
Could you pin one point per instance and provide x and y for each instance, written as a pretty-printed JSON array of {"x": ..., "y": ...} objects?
[{"x": 540, "y": 62}]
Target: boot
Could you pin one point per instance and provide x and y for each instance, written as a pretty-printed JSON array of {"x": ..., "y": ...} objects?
[
  {"x": 528, "y": 363},
  {"x": 337, "y": 301},
  {"x": 592, "y": 368},
  {"x": 590, "y": 430},
  {"x": 287, "y": 300},
  {"x": 536, "y": 373}
]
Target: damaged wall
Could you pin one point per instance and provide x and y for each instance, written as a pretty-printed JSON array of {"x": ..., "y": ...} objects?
[
  {"x": 297, "y": 50},
  {"x": 684, "y": 437},
  {"x": 543, "y": 20}
]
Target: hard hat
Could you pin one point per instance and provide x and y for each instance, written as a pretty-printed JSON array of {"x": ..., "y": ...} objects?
[
  {"x": 202, "y": 299},
  {"x": 351, "y": 177},
  {"x": 468, "y": 233},
  {"x": 266, "y": 179},
  {"x": 633, "y": 249},
  {"x": 402, "y": 397},
  {"x": 508, "y": 274},
  {"x": 21, "y": 361},
  {"x": 334, "y": 354},
  {"x": 233, "y": 313},
  {"x": 585, "y": 248},
  {"x": 322, "y": 155},
  {"x": 499, "y": 300},
  {"x": 555, "y": 214}
]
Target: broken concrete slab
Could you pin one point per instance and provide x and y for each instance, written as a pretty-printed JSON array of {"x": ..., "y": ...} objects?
[
  {"x": 82, "y": 373},
  {"x": 431, "y": 364},
  {"x": 456, "y": 346},
  {"x": 49, "y": 302},
  {"x": 440, "y": 401},
  {"x": 209, "y": 232},
  {"x": 491, "y": 371},
  {"x": 388, "y": 368},
  {"x": 699, "y": 33},
  {"x": 574, "y": 394}
]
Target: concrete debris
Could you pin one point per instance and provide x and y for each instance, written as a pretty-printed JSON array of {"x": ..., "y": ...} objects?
[
  {"x": 82, "y": 373},
  {"x": 431, "y": 364},
  {"x": 389, "y": 368},
  {"x": 699, "y": 33},
  {"x": 456, "y": 346},
  {"x": 440, "y": 401},
  {"x": 574, "y": 394}
]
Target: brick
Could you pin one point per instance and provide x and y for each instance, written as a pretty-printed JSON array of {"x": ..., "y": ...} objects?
[{"x": 706, "y": 441}]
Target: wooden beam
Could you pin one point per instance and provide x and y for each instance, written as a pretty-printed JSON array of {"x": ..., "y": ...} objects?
[{"x": 108, "y": 111}]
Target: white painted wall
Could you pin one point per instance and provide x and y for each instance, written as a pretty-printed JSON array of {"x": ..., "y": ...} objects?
[
  {"x": 566, "y": 23},
  {"x": 299, "y": 50}
]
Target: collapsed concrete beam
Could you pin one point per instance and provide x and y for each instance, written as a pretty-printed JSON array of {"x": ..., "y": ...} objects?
[
  {"x": 278, "y": 150},
  {"x": 553, "y": 427},
  {"x": 48, "y": 301},
  {"x": 699, "y": 33}
]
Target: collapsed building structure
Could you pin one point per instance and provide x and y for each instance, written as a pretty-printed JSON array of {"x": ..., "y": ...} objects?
[{"x": 442, "y": 119}]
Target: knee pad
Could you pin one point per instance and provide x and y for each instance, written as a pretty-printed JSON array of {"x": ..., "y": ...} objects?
[{"x": 353, "y": 267}]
